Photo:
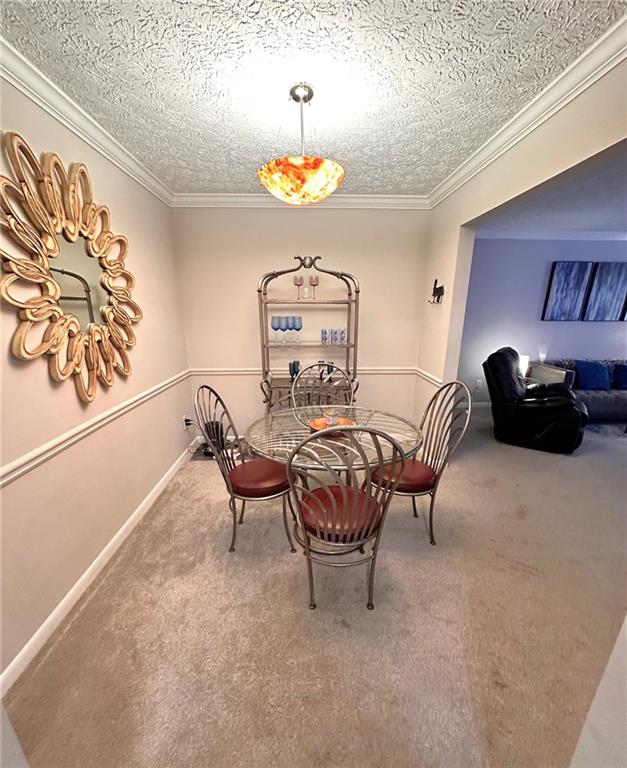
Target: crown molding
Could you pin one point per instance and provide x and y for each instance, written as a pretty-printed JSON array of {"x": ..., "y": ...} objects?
[
  {"x": 608, "y": 51},
  {"x": 265, "y": 200},
  {"x": 545, "y": 234},
  {"x": 18, "y": 71}
]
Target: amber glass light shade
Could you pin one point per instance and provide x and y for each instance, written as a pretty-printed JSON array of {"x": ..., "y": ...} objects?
[{"x": 301, "y": 180}]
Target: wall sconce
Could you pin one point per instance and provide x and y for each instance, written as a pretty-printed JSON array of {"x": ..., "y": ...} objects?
[{"x": 438, "y": 292}]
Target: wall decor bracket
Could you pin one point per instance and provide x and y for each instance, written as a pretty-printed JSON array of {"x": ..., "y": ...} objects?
[
  {"x": 437, "y": 294},
  {"x": 41, "y": 203}
]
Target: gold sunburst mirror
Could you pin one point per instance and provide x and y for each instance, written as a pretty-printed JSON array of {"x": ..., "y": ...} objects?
[{"x": 67, "y": 278}]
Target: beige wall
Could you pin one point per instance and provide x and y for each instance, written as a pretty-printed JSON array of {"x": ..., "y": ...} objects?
[
  {"x": 593, "y": 121},
  {"x": 221, "y": 253},
  {"x": 58, "y": 517}
]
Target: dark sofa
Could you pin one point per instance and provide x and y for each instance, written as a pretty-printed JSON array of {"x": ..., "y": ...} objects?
[
  {"x": 603, "y": 405},
  {"x": 547, "y": 417}
]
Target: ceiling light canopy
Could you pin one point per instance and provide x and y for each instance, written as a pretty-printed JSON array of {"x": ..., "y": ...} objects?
[{"x": 301, "y": 179}]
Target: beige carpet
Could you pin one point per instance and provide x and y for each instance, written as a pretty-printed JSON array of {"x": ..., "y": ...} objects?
[{"x": 485, "y": 650}]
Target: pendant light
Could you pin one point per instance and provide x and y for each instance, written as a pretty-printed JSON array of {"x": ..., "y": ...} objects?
[{"x": 301, "y": 179}]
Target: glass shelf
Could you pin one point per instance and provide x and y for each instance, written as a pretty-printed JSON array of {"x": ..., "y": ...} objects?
[
  {"x": 322, "y": 302},
  {"x": 279, "y": 344}
]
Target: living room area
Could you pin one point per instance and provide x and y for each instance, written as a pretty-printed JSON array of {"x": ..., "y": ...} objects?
[
  {"x": 549, "y": 279},
  {"x": 256, "y": 255}
]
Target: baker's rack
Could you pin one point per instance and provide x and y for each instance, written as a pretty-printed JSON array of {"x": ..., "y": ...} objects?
[{"x": 276, "y": 387}]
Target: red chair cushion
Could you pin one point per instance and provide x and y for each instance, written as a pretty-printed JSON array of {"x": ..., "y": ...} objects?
[
  {"x": 354, "y": 511},
  {"x": 415, "y": 478},
  {"x": 258, "y": 478}
]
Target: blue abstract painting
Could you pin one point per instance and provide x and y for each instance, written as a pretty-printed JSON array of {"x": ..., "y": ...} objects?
[
  {"x": 608, "y": 295},
  {"x": 567, "y": 291}
]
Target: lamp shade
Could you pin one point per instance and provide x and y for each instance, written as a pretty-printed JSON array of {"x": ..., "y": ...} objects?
[{"x": 301, "y": 180}]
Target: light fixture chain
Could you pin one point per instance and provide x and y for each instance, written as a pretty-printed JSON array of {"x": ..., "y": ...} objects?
[{"x": 302, "y": 127}]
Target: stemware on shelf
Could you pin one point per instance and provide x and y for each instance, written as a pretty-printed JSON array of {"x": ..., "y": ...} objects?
[
  {"x": 314, "y": 280},
  {"x": 283, "y": 326},
  {"x": 298, "y": 281},
  {"x": 291, "y": 327},
  {"x": 276, "y": 324},
  {"x": 298, "y": 326}
]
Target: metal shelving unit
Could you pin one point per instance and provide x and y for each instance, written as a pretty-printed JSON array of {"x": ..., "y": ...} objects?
[{"x": 275, "y": 387}]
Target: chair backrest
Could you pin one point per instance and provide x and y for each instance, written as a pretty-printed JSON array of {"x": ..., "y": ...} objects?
[
  {"x": 444, "y": 424},
  {"x": 322, "y": 384},
  {"x": 504, "y": 377},
  {"x": 217, "y": 428},
  {"x": 342, "y": 480}
]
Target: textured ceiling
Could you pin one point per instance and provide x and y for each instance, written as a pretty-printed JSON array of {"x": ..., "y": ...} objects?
[{"x": 405, "y": 91}]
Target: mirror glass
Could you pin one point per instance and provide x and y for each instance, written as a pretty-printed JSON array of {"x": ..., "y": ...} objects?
[{"x": 81, "y": 292}]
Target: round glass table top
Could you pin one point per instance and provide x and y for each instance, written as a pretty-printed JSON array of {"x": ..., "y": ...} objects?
[{"x": 276, "y": 434}]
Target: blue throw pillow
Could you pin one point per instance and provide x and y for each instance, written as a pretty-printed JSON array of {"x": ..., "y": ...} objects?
[
  {"x": 620, "y": 376},
  {"x": 591, "y": 375}
]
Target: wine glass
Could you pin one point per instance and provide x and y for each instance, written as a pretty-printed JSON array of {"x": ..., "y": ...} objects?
[
  {"x": 291, "y": 325},
  {"x": 298, "y": 281},
  {"x": 283, "y": 327},
  {"x": 298, "y": 327},
  {"x": 314, "y": 280},
  {"x": 276, "y": 324}
]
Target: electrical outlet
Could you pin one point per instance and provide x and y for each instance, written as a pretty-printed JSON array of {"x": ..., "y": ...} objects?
[
  {"x": 478, "y": 383},
  {"x": 187, "y": 422}
]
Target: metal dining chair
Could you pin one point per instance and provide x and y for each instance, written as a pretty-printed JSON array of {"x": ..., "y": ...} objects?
[
  {"x": 340, "y": 508},
  {"x": 245, "y": 479},
  {"x": 443, "y": 426},
  {"x": 322, "y": 384}
]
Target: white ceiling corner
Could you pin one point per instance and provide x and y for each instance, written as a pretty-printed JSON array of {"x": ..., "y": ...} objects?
[{"x": 448, "y": 86}]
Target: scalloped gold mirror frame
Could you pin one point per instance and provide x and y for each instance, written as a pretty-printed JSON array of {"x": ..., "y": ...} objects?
[{"x": 53, "y": 202}]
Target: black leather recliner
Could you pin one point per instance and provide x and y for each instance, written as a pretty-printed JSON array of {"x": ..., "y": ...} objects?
[{"x": 547, "y": 417}]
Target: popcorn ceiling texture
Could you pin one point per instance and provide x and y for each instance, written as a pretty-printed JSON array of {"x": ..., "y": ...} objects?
[{"x": 405, "y": 90}]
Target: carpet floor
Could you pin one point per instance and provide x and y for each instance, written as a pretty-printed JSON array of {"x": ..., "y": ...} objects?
[{"x": 485, "y": 650}]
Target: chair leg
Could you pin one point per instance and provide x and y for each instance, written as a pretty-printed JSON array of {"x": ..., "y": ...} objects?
[
  {"x": 413, "y": 501},
  {"x": 234, "y": 511},
  {"x": 312, "y": 597},
  {"x": 241, "y": 516},
  {"x": 371, "y": 565},
  {"x": 286, "y": 524},
  {"x": 431, "y": 506}
]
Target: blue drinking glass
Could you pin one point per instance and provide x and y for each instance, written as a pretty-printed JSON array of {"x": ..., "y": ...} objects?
[
  {"x": 298, "y": 327},
  {"x": 283, "y": 327},
  {"x": 291, "y": 325},
  {"x": 276, "y": 324}
]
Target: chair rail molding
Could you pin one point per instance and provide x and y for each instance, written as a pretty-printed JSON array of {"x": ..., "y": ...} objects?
[
  {"x": 33, "y": 459},
  {"x": 29, "y": 461},
  {"x": 609, "y": 51},
  {"x": 362, "y": 371}
]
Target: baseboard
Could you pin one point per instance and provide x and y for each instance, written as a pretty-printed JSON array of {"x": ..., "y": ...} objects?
[{"x": 37, "y": 641}]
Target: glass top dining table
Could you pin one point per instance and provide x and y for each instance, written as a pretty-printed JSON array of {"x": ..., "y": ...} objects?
[{"x": 276, "y": 434}]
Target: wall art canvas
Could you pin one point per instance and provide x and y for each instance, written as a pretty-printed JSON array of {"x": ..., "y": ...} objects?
[
  {"x": 608, "y": 296},
  {"x": 567, "y": 291}
]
